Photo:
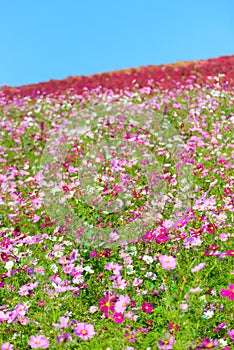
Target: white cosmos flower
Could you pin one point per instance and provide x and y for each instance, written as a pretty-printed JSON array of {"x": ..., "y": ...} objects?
[
  {"x": 9, "y": 264},
  {"x": 148, "y": 259}
]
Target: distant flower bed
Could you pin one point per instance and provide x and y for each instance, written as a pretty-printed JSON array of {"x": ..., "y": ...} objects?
[
  {"x": 162, "y": 76},
  {"x": 116, "y": 212}
]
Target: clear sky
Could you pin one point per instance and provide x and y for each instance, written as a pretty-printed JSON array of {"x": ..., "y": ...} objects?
[{"x": 53, "y": 39}]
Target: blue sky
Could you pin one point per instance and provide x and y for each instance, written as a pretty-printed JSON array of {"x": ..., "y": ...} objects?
[{"x": 53, "y": 39}]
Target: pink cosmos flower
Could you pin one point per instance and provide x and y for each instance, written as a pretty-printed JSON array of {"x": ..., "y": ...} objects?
[
  {"x": 114, "y": 267},
  {"x": 118, "y": 317},
  {"x": 161, "y": 238},
  {"x": 229, "y": 252},
  {"x": 231, "y": 334},
  {"x": 136, "y": 282},
  {"x": 195, "y": 290},
  {"x": 209, "y": 344},
  {"x": 64, "y": 322},
  {"x": 121, "y": 305},
  {"x": 219, "y": 326},
  {"x": 3, "y": 317},
  {"x": 93, "y": 309},
  {"x": 168, "y": 262},
  {"x": 7, "y": 346},
  {"x": 198, "y": 267},
  {"x": 119, "y": 283},
  {"x": 229, "y": 293},
  {"x": 184, "y": 307},
  {"x": 166, "y": 344},
  {"x": 84, "y": 331},
  {"x": 223, "y": 237},
  {"x": 38, "y": 342},
  {"x": 147, "y": 307},
  {"x": 39, "y": 270},
  {"x": 107, "y": 304},
  {"x": 63, "y": 337},
  {"x": 24, "y": 290},
  {"x": 131, "y": 316}
]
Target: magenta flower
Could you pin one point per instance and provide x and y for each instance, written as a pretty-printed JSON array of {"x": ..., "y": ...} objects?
[
  {"x": 84, "y": 331},
  {"x": 161, "y": 238},
  {"x": 118, "y": 317},
  {"x": 220, "y": 326},
  {"x": 147, "y": 308},
  {"x": 209, "y": 344},
  {"x": 107, "y": 304},
  {"x": 92, "y": 254},
  {"x": 38, "y": 342},
  {"x": 229, "y": 252},
  {"x": 168, "y": 262},
  {"x": 7, "y": 346},
  {"x": 229, "y": 293},
  {"x": 166, "y": 344},
  {"x": 231, "y": 334}
]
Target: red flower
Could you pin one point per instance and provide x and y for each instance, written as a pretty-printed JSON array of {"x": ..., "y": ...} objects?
[
  {"x": 147, "y": 308},
  {"x": 6, "y": 257},
  {"x": 211, "y": 228},
  {"x": 227, "y": 190},
  {"x": 173, "y": 326},
  {"x": 212, "y": 247},
  {"x": 200, "y": 167}
]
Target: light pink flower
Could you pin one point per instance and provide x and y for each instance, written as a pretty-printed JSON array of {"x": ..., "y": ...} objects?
[
  {"x": 195, "y": 290},
  {"x": 184, "y": 307},
  {"x": 114, "y": 267},
  {"x": 64, "y": 322},
  {"x": 121, "y": 305},
  {"x": 38, "y": 342},
  {"x": 168, "y": 262},
  {"x": 7, "y": 346},
  {"x": 198, "y": 267},
  {"x": 136, "y": 282},
  {"x": 84, "y": 331},
  {"x": 24, "y": 290},
  {"x": 223, "y": 236},
  {"x": 231, "y": 333}
]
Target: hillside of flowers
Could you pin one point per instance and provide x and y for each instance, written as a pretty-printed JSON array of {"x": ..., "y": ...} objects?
[{"x": 117, "y": 210}]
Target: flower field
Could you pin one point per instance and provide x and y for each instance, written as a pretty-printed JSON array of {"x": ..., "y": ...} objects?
[{"x": 117, "y": 210}]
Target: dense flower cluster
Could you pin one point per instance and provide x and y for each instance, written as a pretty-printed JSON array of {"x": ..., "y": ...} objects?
[
  {"x": 163, "y": 76},
  {"x": 120, "y": 233}
]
